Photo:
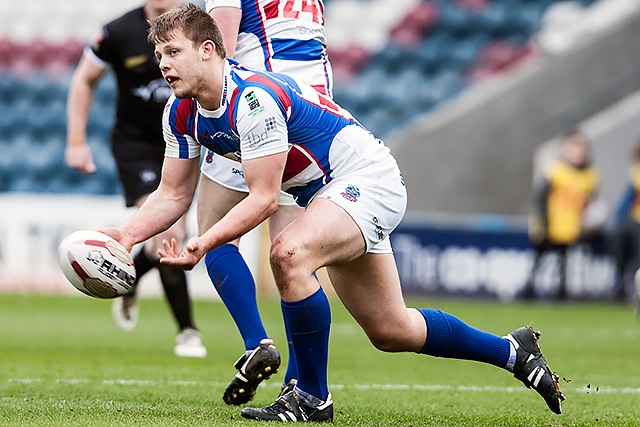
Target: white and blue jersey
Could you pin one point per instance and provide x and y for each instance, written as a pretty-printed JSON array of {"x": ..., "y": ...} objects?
[
  {"x": 265, "y": 113},
  {"x": 283, "y": 36}
]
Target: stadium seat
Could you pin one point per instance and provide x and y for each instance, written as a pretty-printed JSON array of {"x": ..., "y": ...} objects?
[
  {"x": 14, "y": 160},
  {"x": 454, "y": 20},
  {"x": 528, "y": 18},
  {"x": 58, "y": 184},
  {"x": 347, "y": 62},
  {"x": 70, "y": 51},
  {"x": 499, "y": 54},
  {"x": 394, "y": 57},
  {"x": 7, "y": 53},
  {"x": 361, "y": 96},
  {"x": 432, "y": 53},
  {"x": 54, "y": 119},
  {"x": 45, "y": 159},
  {"x": 440, "y": 88},
  {"x": 408, "y": 87},
  {"x": 464, "y": 52},
  {"x": 496, "y": 20},
  {"x": 41, "y": 89},
  {"x": 473, "y": 4},
  {"x": 13, "y": 88},
  {"x": 107, "y": 90},
  {"x": 416, "y": 23},
  {"x": 6, "y": 123},
  {"x": 378, "y": 121}
]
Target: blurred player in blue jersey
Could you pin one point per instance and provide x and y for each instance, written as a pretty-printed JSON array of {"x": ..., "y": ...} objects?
[
  {"x": 289, "y": 137},
  {"x": 274, "y": 35},
  {"x": 138, "y": 148},
  {"x": 626, "y": 244}
]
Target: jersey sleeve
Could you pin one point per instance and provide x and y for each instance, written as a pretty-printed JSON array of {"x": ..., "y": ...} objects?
[
  {"x": 261, "y": 124},
  {"x": 176, "y": 122},
  {"x": 103, "y": 48},
  {"x": 212, "y": 4}
]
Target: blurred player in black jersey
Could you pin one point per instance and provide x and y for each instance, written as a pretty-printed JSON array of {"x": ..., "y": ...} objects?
[{"x": 137, "y": 145}]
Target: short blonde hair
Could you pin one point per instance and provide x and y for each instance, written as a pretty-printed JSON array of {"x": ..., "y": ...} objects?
[{"x": 192, "y": 21}]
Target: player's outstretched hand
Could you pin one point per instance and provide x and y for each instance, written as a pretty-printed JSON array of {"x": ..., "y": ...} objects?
[{"x": 187, "y": 259}]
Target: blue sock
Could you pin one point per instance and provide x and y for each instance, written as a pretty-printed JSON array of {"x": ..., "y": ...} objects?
[
  {"x": 308, "y": 321},
  {"x": 448, "y": 336},
  {"x": 292, "y": 366},
  {"x": 232, "y": 279}
]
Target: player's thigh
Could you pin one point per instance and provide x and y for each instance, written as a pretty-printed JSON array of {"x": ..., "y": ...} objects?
[
  {"x": 369, "y": 288},
  {"x": 214, "y": 201},
  {"x": 284, "y": 216},
  {"x": 323, "y": 234}
]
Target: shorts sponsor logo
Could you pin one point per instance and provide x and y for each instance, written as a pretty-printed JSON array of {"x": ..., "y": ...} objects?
[
  {"x": 351, "y": 193},
  {"x": 237, "y": 171},
  {"x": 379, "y": 232}
]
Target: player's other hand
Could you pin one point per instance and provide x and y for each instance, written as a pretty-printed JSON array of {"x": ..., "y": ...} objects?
[
  {"x": 187, "y": 259},
  {"x": 79, "y": 157}
]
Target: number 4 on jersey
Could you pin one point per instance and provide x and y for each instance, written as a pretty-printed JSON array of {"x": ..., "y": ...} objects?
[{"x": 292, "y": 9}]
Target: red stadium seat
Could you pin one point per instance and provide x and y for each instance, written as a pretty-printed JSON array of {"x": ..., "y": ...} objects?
[
  {"x": 70, "y": 52},
  {"x": 8, "y": 51},
  {"x": 416, "y": 23},
  {"x": 473, "y": 4},
  {"x": 347, "y": 62}
]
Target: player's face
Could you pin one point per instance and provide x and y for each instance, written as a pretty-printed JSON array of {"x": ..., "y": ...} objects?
[
  {"x": 182, "y": 66},
  {"x": 576, "y": 151}
]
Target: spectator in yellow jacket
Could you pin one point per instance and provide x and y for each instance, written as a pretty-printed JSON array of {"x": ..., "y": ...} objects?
[{"x": 569, "y": 185}]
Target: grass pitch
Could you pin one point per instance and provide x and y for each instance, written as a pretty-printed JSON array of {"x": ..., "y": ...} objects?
[{"x": 64, "y": 363}]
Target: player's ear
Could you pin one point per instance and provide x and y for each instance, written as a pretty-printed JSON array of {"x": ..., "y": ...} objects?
[{"x": 208, "y": 49}]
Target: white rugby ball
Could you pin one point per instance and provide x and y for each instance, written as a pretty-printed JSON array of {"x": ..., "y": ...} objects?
[{"x": 96, "y": 264}]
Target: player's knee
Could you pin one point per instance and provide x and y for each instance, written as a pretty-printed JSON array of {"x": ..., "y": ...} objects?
[
  {"x": 286, "y": 260},
  {"x": 385, "y": 339}
]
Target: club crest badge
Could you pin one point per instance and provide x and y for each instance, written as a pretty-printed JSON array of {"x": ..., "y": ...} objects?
[{"x": 351, "y": 193}]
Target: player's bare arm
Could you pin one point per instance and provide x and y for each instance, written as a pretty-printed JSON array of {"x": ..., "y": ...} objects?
[
  {"x": 228, "y": 20},
  {"x": 164, "y": 206},
  {"x": 79, "y": 100},
  {"x": 263, "y": 175}
]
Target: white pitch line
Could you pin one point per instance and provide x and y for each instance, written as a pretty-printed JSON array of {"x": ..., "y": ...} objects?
[{"x": 401, "y": 387}]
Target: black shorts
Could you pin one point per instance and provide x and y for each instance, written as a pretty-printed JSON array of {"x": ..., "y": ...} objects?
[{"x": 139, "y": 166}]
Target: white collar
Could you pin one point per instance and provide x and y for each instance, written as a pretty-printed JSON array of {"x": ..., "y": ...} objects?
[{"x": 224, "y": 97}]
